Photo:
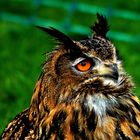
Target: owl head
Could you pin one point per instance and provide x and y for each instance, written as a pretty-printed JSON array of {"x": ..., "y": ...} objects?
[{"x": 81, "y": 71}]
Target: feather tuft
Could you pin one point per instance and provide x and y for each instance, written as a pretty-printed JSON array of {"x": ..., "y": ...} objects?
[
  {"x": 59, "y": 36},
  {"x": 101, "y": 27}
]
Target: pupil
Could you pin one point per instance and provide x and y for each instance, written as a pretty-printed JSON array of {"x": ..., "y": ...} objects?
[{"x": 83, "y": 63}]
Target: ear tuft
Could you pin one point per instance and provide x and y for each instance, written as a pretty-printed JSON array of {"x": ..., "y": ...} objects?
[
  {"x": 100, "y": 28},
  {"x": 60, "y": 37}
]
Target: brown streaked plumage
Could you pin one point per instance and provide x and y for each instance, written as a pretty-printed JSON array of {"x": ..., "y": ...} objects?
[{"x": 83, "y": 93}]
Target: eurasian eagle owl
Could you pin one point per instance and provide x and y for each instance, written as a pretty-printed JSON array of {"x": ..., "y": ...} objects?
[{"x": 83, "y": 93}]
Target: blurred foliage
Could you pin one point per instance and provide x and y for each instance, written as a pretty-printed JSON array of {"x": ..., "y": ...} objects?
[{"x": 22, "y": 45}]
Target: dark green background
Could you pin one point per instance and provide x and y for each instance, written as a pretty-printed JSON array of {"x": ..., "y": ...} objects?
[{"x": 22, "y": 45}]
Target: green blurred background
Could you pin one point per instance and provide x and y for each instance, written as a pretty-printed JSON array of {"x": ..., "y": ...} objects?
[{"x": 22, "y": 45}]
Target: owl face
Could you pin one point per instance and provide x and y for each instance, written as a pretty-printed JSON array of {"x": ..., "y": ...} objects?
[
  {"x": 78, "y": 70},
  {"x": 94, "y": 59}
]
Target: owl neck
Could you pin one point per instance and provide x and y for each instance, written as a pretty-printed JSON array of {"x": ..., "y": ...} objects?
[{"x": 81, "y": 110}]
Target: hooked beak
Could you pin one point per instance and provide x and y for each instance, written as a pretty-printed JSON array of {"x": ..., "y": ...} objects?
[{"x": 109, "y": 71}]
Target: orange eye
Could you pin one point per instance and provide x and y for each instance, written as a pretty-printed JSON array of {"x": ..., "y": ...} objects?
[{"x": 84, "y": 65}]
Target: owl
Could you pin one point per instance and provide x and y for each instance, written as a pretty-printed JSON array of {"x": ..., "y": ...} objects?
[{"x": 83, "y": 93}]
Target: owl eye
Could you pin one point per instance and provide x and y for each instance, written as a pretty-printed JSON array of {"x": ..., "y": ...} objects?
[{"x": 84, "y": 65}]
